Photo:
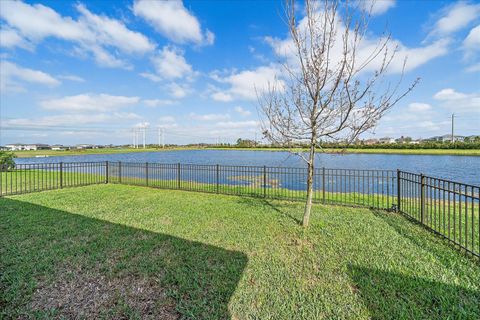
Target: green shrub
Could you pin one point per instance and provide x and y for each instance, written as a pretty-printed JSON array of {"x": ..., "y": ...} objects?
[{"x": 7, "y": 160}]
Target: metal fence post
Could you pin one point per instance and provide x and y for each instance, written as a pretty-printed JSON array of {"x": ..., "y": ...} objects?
[
  {"x": 323, "y": 184},
  {"x": 106, "y": 171},
  {"x": 61, "y": 175},
  {"x": 264, "y": 181},
  {"x": 146, "y": 174},
  {"x": 178, "y": 175},
  {"x": 399, "y": 197},
  {"x": 422, "y": 198},
  {"x": 218, "y": 177},
  {"x": 119, "y": 171}
]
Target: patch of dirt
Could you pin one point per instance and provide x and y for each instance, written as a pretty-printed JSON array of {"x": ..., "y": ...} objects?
[{"x": 89, "y": 295}]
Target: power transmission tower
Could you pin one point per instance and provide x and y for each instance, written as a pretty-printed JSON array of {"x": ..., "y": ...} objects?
[
  {"x": 160, "y": 138},
  {"x": 453, "y": 121},
  {"x": 144, "y": 132}
]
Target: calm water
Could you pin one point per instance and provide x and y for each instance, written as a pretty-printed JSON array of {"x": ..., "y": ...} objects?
[{"x": 459, "y": 168}]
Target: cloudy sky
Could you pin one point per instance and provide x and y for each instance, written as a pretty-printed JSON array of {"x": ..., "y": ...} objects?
[{"x": 90, "y": 71}]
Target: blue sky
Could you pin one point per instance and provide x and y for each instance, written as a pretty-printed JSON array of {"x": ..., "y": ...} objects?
[{"x": 90, "y": 71}]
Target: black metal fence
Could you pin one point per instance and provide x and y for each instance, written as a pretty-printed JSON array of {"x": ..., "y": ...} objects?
[{"x": 449, "y": 208}]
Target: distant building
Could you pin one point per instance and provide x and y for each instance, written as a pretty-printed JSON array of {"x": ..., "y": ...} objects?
[
  {"x": 386, "y": 140},
  {"x": 84, "y": 146},
  {"x": 58, "y": 147},
  {"x": 370, "y": 141},
  {"x": 24, "y": 146},
  {"x": 446, "y": 138}
]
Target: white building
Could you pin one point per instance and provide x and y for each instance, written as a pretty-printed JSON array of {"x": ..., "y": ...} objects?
[{"x": 23, "y": 146}]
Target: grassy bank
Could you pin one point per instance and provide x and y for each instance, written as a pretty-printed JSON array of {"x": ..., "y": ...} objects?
[
  {"x": 459, "y": 152},
  {"x": 51, "y": 153},
  {"x": 121, "y": 251}
]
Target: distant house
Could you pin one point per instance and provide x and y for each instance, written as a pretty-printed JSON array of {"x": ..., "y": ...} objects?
[
  {"x": 446, "y": 138},
  {"x": 84, "y": 146},
  {"x": 24, "y": 146},
  {"x": 37, "y": 146},
  {"x": 386, "y": 140},
  {"x": 370, "y": 141},
  {"x": 58, "y": 147},
  {"x": 15, "y": 146}
]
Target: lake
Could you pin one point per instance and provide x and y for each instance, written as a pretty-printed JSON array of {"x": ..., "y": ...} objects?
[{"x": 464, "y": 169}]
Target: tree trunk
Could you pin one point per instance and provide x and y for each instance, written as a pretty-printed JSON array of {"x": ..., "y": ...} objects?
[{"x": 310, "y": 172}]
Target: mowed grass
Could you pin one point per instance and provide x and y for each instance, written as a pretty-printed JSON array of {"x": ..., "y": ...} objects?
[{"x": 112, "y": 251}]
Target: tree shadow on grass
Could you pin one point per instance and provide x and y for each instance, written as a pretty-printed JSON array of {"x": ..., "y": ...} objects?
[
  {"x": 389, "y": 295},
  {"x": 61, "y": 264},
  {"x": 255, "y": 201}
]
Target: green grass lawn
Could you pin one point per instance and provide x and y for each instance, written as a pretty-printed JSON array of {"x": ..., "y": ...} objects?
[{"x": 117, "y": 251}]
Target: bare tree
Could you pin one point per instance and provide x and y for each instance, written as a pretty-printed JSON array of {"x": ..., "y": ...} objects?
[{"x": 334, "y": 82}]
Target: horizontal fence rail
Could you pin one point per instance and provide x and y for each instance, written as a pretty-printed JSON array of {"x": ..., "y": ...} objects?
[{"x": 448, "y": 208}]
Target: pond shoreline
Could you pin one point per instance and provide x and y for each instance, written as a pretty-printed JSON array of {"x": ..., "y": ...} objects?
[{"x": 48, "y": 153}]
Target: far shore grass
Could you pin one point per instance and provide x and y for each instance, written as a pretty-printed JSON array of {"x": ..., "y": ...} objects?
[
  {"x": 51, "y": 153},
  {"x": 115, "y": 251}
]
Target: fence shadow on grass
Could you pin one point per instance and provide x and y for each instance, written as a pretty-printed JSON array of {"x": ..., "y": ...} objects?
[
  {"x": 423, "y": 239},
  {"x": 85, "y": 267},
  {"x": 389, "y": 295}
]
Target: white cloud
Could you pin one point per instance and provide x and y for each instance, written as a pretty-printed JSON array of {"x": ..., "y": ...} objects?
[
  {"x": 209, "y": 117},
  {"x": 71, "y": 78},
  {"x": 10, "y": 38},
  {"x": 473, "y": 68},
  {"x": 173, "y": 20},
  {"x": 167, "y": 122},
  {"x": 245, "y": 84},
  {"x": 242, "y": 111},
  {"x": 114, "y": 33},
  {"x": 166, "y": 119},
  {"x": 416, "y": 56},
  {"x": 459, "y": 101},
  {"x": 100, "y": 36},
  {"x": 11, "y": 74},
  {"x": 178, "y": 91},
  {"x": 377, "y": 7},
  {"x": 221, "y": 96},
  {"x": 237, "y": 124},
  {"x": 70, "y": 119},
  {"x": 419, "y": 107},
  {"x": 89, "y": 102},
  {"x": 471, "y": 44},
  {"x": 151, "y": 76},
  {"x": 157, "y": 102},
  {"x": 456, "y": 17},
  {"x": 171, "y": 64}
]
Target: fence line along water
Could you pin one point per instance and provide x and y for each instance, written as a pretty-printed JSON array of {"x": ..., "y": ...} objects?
[{"x": 448, "y": 208}]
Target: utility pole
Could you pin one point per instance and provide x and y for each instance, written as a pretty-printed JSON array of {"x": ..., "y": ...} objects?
[
  {"x": 163, "y": 138},
  {"x": 133, "y": 137},
  {"x": 160, "y": 138},
  {"x": 453, "y": 121},
  {"x": 144, "y": 132}
]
